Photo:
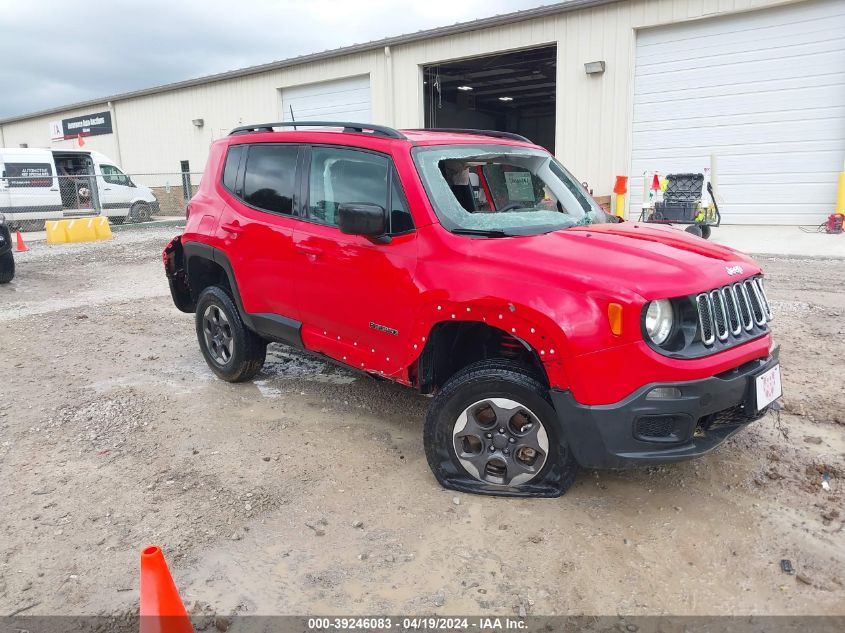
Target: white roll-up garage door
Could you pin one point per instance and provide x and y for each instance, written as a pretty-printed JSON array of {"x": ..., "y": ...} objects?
[
  {"x": 345, "y": 99},
  {"x": 763, "y": 92}
]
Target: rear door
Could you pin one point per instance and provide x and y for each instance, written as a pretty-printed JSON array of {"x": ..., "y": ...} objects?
[
  {"x": 255, "y": 230},
  {"x": 31, "y": 187},
  {"x": 4, "y": 189}
]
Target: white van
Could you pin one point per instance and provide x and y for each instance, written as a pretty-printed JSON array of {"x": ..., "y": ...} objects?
[{"x": 48, "y": 184}]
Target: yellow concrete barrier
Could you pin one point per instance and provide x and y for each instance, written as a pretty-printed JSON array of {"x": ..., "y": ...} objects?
[
  {"x": 78, "y": 230},
  {"x": 56, "y": 233},
  {"x": 102, "y": 228},
  {"x": 81, "y": 230}
]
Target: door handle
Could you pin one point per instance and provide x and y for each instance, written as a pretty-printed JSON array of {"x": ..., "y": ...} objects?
[
  {"x": 309, "y": 250},
  {"x": 232, "y": 227},
  {"x": 106, "y": 188}
]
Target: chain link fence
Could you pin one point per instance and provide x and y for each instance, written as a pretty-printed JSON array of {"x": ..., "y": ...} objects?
[{"x": 31, "y": 194}]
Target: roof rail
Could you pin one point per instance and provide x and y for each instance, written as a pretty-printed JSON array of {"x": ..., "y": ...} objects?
[
  {"x": 462, "y": 130},
  {"x": 357, "y": 128}
]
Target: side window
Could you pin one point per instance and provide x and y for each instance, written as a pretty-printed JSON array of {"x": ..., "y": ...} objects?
[
  {"x": 400, "y": 214},
  {"x": 113, "y": 175},
  {"x": 270, "y": 177},
  {"x": 344, "y": 175},
  {"x": 230, "y": 169},
  {"x": 28, "y": 174}
]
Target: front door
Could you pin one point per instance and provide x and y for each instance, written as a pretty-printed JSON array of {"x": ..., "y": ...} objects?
[
  {"x": 116, "y": 190},
  {"x": 256, "y": 232},
  {"x": 356, "y": 296}
]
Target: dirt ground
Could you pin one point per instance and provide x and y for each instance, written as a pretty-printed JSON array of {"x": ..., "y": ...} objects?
[{"x": 308, "y": 492}]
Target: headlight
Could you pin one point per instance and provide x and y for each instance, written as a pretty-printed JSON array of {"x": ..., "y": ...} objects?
[{"x": 659, "y": 319}]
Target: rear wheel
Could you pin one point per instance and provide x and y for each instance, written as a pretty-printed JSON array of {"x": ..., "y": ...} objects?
[
  {"x": 7, "y": 267},
  {"x": 693, "y": 229},
  {"x": 705, "y": 231},
  {"x": 233, "y": 352},
  {"x": 492, "y": 430}
]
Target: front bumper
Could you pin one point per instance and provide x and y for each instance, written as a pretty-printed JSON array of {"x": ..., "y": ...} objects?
[{"x": 637, "y": 430}]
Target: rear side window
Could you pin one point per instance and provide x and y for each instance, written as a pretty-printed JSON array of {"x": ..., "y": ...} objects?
[
  {"x": 28, "y": 174},
  {"x": 230, "y": 169},
  {"x": 270, "y": 177}
]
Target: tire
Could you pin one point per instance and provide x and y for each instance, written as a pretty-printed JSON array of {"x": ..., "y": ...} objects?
[
  {"x": 511, "y": 392},
  {"x": 246, "y": 350},
  {"x": 705, "y": 231},
  {"x": 140, "y": 212},
  {"x": 693, "y": 229},
  {"x": 7, "y": 267}
]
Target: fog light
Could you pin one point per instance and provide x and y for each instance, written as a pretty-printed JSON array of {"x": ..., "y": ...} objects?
[{"x": 663, "y": 393}]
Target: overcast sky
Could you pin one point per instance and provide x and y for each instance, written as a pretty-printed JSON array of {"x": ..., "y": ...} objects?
[{"x": 57, "y": 52}]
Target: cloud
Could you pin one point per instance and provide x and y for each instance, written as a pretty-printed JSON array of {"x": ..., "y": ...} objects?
[{"x": 56, "y": 52}]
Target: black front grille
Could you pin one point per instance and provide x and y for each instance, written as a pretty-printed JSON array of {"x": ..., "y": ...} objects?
[
  {"x": 728, "y": 418},
  {"x": 732, "y": 311},
  {"x": 720, "y": 317}
]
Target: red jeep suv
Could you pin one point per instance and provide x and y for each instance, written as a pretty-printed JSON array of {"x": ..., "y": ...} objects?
[{"x": 471, "y": 266}]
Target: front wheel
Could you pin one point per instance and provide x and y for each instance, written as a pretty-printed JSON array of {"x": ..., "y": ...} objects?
[
  {"x": 492, "y": 430},
  {"x": 233, "y": 352},
  {"x": 7, "y": 267},
  {"x": 140, "y": 212}
]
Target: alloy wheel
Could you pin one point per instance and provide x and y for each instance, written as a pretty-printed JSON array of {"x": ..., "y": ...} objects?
[
  {"x": 500, "y": 441},
  {"x": 218, "y": 334}
]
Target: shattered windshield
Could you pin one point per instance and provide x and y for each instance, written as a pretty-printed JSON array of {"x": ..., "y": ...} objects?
[{"x": 506, "y": 190}]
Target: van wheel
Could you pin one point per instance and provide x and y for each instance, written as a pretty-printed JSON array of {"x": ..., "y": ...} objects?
[
  {"x": 234, "y": 353},
  {"x": 7, "y": 267},
  {"x": 492, "y": 430},
  {"x": 140, "y": 212}
]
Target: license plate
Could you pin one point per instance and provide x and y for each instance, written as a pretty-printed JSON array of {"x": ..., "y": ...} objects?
[{"x": 768, "y": 387}]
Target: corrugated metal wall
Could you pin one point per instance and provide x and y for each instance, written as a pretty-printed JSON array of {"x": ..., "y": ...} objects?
[{"x": 593, "y": 113}]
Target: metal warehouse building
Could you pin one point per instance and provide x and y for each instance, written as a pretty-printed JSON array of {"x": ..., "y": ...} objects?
[{"x": 753, "y": 88}]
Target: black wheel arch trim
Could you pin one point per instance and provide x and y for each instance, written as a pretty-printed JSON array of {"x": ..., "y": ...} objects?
[{"x": 275, "y": 327}]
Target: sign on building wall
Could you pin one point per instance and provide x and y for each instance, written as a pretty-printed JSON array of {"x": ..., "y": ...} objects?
[{"x": 86, "y": 125}]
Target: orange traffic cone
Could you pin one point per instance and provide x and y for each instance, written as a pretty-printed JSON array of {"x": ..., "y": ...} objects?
[
  {"x": 162, "y": 610},
  {"x": 21, "y": 247}
]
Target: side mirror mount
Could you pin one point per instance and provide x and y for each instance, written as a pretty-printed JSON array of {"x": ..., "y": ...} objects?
[{"x": 358, "y": 218}]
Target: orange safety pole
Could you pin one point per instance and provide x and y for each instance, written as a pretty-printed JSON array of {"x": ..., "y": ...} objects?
[
  {"x": 620, "y": 189},
  {"x": 162, "y": 610}
]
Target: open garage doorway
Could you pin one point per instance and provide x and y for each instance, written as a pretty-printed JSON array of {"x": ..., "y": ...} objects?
[{"x": 509, "y": 92}]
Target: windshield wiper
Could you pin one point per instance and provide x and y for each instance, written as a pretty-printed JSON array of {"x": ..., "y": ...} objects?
[{"x": 482, "y": 232}]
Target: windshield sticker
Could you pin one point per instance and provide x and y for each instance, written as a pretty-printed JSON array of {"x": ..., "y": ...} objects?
[{"x": 520, "y": 186}]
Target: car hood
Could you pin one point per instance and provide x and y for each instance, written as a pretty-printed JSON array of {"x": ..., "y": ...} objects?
[{"x": 652, "y": 261}]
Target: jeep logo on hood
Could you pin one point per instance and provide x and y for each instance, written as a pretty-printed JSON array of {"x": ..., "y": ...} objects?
[{"x": 734, "y": 270}]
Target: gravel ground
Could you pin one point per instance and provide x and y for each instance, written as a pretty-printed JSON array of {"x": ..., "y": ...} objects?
[{"x": 307, "y": 491}]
